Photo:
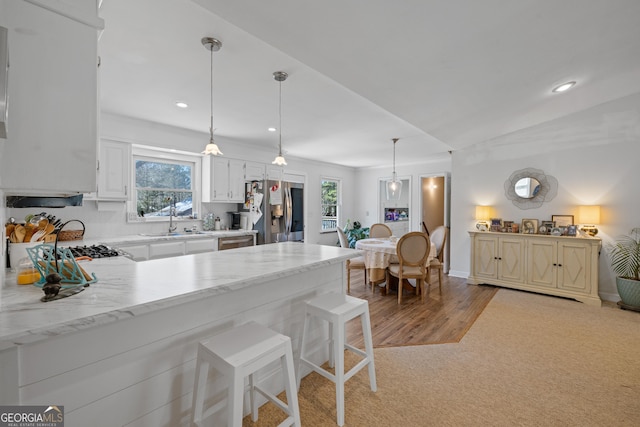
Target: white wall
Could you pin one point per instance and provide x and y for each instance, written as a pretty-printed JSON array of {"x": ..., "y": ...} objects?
[
  {"x": 113, "y": 223},
  {"x": 594, "y": 156},
  {"x": 367, "y": 184}
]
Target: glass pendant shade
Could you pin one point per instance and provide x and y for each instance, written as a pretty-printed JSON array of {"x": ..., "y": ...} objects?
[
  {"x": 394, "y": 186},
  {"x": 279, "y": 160},
  {"x": 212, "y": 149},
  {"x": 394, "y": 189}
]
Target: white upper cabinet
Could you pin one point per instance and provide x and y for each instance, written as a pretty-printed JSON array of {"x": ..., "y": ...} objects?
[
  {"x": 254, "y": 171},
  {"x": 113, "y": 170},
  {"x": 51, "y": 146},
  {"x": 236, "y": 180},
  {"x": 223, "y": 180}
]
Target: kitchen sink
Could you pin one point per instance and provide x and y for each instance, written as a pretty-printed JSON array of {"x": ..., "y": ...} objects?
[{"x": 173, "y": 233}]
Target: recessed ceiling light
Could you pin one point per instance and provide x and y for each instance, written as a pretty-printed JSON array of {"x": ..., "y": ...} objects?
[
  {"x": 563, "y": 87},
  {"x": 181, "y": 104},
  {"x": 272, "y": 129}
]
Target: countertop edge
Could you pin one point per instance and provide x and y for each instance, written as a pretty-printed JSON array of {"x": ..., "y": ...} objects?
[{"x": 32, "y": 335}]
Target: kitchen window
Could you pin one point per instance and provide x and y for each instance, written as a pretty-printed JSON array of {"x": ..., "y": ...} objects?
[
  {"x": 165, "y": 183},
  {"x": 330, "y": 204}
]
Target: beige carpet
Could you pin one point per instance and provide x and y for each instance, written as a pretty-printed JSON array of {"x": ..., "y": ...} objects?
[{"x": 529, "y": 360}]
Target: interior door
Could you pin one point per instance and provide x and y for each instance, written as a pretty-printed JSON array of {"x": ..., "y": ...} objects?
[{"x": 435, "y": 202}]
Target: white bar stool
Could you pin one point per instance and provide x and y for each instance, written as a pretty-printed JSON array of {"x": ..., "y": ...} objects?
[
  {"x": 338, "y": 309},
  {"x": 235, "y": 354}
]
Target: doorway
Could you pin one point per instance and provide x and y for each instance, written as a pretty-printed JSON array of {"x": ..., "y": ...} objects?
[{"x": 434, "y": 206}]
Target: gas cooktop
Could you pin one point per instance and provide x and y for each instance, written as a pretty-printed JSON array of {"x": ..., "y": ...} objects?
[{"x": 94, "y": 251}]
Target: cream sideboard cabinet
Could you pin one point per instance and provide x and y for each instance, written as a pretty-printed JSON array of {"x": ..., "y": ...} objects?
[{"x": 554, "y": 265}]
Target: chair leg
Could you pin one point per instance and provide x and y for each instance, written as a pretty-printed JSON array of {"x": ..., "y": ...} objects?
[
  {"x": 400, "y": 288},
  {"x": 348, "y": 278},
  {"x": 440, "y": 277},
  {"x": 338, "y": 352},
  {"x": 387, "y": 275}
]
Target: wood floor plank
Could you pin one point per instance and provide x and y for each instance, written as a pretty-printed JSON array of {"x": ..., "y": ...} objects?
[{"x": 444, "y": 317}]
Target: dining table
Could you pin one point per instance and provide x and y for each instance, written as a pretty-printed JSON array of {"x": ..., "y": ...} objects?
[{"x": 379, "y": 252}]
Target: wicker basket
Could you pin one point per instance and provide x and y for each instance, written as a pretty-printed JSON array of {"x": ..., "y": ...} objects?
[{"x": 65, "y": 235}]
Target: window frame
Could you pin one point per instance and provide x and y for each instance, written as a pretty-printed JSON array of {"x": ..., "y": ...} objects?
[
  {"x": 143, "y": 152},
  {"x": 338, "y": 204}
]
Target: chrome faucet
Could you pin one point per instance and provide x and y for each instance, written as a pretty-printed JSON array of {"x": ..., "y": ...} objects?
[{"x": 172, "y": 212}]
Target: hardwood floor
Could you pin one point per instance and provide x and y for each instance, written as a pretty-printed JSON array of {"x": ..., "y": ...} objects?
[{"x": 444, "y": 317}]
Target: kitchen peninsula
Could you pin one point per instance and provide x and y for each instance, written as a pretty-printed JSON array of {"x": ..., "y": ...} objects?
[{"x": 122, "y": 352}]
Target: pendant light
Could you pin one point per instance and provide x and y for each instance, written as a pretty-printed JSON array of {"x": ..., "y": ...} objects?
[
  {"x": 280, "y": 76},
  {"x": 212, "y": 45},
  {"x": 394, "y": 186}
]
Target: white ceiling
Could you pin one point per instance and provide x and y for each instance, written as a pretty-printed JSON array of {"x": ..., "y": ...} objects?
[{"x": 440, "y": 75}]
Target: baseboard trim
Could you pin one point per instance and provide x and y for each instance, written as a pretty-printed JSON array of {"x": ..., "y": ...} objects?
[{"x": 460, "y": 274}]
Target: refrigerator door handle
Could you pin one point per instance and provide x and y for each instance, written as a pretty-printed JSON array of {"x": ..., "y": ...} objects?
[{"x": 288, "y": 210}]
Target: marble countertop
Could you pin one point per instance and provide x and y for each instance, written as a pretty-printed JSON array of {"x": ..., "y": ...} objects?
[
  {"x": 126, "y": 288},
  {"x": 149, "y": 238}
]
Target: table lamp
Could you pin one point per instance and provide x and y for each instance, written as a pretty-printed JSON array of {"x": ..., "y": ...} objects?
[
  {"x": 589, "y": 217},
  {"x": 483, "y": 215}
]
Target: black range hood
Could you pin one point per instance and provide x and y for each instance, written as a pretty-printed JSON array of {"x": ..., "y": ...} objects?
[{"x": 43, "y": 201}]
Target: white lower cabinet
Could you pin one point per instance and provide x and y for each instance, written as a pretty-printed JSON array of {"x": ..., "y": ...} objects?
[
  {"x": 200, "y": 245},
  {"x": 166, "y": 249},
  {"x": 136, "y": 252},
  {"x": 561, "y": 266}
]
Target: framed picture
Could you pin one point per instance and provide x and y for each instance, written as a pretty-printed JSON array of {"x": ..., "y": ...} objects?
[
  {"x": 507, "y": 226},
  {"x": 572, "y": 230},
  {"x": 562, "y": 220},
  {"x": 496, "y": 224},
  {"x": 545, "y": 227},
  {"x": 529, "y": 226}
]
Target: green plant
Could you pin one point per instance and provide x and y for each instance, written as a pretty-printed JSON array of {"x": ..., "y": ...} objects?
[
  {"x": 625, "y": 255},
  {"x": 356, "y": 233}
]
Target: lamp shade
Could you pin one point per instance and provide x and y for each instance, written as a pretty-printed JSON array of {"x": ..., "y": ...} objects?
[
  {"x": 589, "y": 214},
  {"x": 483, "y": 213}
]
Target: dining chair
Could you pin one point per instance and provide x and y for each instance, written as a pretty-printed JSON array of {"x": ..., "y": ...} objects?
[
  {"x": 380, "y": 230},
  {"x": 413, "y": 251},
  {"x": 424, "y": 227},
  {"x": 356, "y": 263},
  {"x": 439, "y": 238}
]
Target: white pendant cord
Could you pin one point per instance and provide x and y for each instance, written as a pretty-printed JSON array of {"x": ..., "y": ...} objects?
[
  {"x": 280, "y": 76},
  {"x": 211, "y": 127},
  {"x": 280, "y": 118},
  {"x": 213, "y": 45},
  {"x": 394, "y": 161}
]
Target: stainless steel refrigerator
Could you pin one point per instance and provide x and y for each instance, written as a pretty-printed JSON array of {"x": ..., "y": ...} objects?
[{"x": 282, "y": 212}]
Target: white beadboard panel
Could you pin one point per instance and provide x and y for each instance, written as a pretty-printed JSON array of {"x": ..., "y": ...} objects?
[
  {"x": 144, "y": 366},
  {"x": 109, "y": 340}
]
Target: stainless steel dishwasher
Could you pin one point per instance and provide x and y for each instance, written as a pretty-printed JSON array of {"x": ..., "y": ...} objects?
[{"x": 234, "y": 242}]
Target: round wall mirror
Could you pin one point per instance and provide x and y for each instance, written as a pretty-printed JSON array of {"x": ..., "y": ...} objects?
[
  {"x": 527, "y": 187},
  {"x": 530, "y": 188}
]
